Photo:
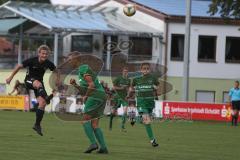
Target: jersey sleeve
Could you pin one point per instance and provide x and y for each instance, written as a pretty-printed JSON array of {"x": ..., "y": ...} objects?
[
  {"x": 27, "y": 62},
  {"x": 133, "y": 83},
  {"x": 155, "y": 81},
  {"x": 116, "y": 81},
  {"x": 129, "y": 82},
  {"x": 51, "y": 66}
]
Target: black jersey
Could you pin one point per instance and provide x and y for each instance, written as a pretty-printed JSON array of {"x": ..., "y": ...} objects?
[{"x": 35, "y": 69}]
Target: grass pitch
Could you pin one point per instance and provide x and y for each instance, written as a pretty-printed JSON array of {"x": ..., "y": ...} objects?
[{"x": 179, "y": 140}]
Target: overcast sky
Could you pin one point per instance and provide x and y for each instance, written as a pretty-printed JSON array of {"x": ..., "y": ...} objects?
[{"x": 75, "y": 2}]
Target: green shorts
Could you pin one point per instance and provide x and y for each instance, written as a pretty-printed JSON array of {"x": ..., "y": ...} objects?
[
  {"x": 95, "y": 104},
  {"x": 145, "y": 105},
  {"x": 144, "y": 110},
  {"x": 118, "y": 102}
]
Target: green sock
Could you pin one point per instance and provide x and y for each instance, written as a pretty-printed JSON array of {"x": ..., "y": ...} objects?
[
  {"x": 111, "y": 120},
  {"x": 149, "y": 131},
  {"x": 124, "y": 120},
  {"x": 89, "y": 132},
  {"x": 100, "y": 138}
]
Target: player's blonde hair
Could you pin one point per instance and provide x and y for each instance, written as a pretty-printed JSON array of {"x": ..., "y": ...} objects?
[{"x": 44, "y": 47}]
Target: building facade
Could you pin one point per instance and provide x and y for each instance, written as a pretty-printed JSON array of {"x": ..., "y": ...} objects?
[{"x": 214, "y": 57}]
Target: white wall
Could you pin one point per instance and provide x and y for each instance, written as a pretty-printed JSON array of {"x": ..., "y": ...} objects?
[{"x": 220, "y": 69}]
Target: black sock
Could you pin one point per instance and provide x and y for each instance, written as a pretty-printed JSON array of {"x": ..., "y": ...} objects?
[
  {"x": 233, "y": 118},
  {"x": 236, "y": 120},
  {"x": 48, "y": 99},
  {"x": 42, "y": 92},
  {"x": 111, "y": 119},
  {"x": 39, "y": 116}
]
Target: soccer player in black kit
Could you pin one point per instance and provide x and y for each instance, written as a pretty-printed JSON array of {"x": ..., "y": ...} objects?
[{"x": 36, "y": 68}]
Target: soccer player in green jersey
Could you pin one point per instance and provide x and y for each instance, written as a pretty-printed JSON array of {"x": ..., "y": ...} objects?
[
  {"x": 145, "y": 86},
  {"x": 121, "y": 85},
  {"x": 94, "y": 99}
]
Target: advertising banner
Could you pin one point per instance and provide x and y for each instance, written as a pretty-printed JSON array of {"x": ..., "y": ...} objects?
[
  {"x": 14, "y": 102},
  {"x": 196, "y": 111}
]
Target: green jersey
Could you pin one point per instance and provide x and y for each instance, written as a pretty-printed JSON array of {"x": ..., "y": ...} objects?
[
  {"x": 96, "y": 102},
  {"x": 145, "y": 92},
  {"x": 120, "y": 81},
  {"x": 85, "y": 70}
]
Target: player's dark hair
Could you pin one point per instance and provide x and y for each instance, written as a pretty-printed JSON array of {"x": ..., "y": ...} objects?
[
  {"x": 237, "y": 82},
  {"x": 145, "y": 64}
]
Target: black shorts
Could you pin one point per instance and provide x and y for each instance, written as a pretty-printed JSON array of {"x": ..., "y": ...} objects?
[
  {"x": 29, "y": 85},
  {"x": 236, "y": 105}
]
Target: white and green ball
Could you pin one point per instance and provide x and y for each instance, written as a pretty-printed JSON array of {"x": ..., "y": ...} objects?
[{"x": 129, "y": 9}]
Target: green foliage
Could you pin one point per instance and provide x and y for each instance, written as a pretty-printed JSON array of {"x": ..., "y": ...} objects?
[
  {"x": 226, "y": 8},
  {"x": 3, "y": 1}
]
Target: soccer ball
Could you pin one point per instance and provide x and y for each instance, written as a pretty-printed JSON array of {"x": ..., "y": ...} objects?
[{"x": 129, "y": 9}]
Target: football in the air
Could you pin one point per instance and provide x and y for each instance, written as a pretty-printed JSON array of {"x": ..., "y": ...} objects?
[{"x": 129, "y": 9}]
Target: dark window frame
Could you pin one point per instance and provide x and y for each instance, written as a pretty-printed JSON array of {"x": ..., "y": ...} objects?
[
  {"x": 214, "y": 49},
  {"x": 172, "y": 49},
  {"x": 114, "y": 42},
  {"x": 131, "y": 51},
  {"x": 88, "y": 38},
  {"x": 224, "y": 92},
  {"x": 226, "y": 48},
  {"x": 214, "y": 96}
]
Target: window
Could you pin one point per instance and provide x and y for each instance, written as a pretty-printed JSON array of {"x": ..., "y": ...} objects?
[
  {"x": 177, "y": 47},
  {"x": 82, "y": 43},
  {"x": 114, "y": 41},
  {"x": 207, "y": 49},
  {"x": 2, "y": 88},
  {"x": 142, "y": 48},
  {"x": 225, "y": 97},
  {"x": 205, "y": 96},
  {"x": 232, "y": 54}
]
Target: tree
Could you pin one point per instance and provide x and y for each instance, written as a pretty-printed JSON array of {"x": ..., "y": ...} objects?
[
  {"x": 3, "y": 1},
  {"x": 226, "y": 8}
]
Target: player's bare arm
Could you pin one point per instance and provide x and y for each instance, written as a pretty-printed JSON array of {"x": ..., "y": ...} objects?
[
  {"x": 91, "y": 87},
  {"x": 15, "y": 71},
  {"x": 131, "y": 92}
]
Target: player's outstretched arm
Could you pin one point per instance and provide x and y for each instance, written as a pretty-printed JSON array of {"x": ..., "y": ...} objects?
[
  {"x": 73, "y": 82},
  {"x": 131, "y": 92},
  {"x": 78, "y": 87},
  {"x": 91, "y": 87},
  {"x": 15, "y": 71},
  {"x": 10, "y": 93}
]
